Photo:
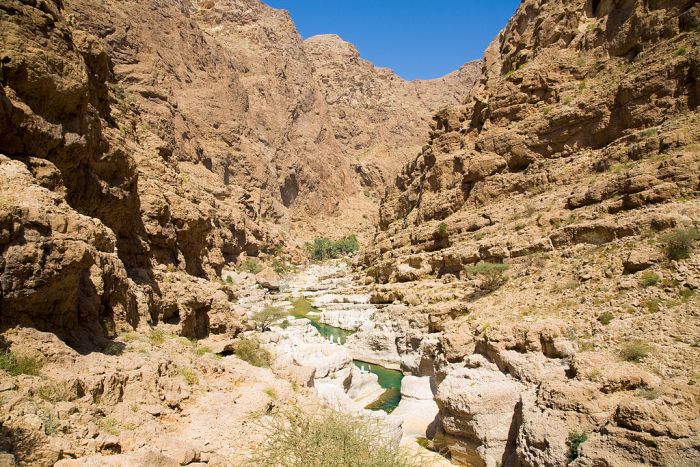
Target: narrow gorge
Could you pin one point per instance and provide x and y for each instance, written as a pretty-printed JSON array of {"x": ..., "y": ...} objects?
[{"x": 224, "y": 244}]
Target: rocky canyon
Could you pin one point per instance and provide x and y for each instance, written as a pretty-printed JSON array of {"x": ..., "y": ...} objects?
[{"x": 208, "y": 223}]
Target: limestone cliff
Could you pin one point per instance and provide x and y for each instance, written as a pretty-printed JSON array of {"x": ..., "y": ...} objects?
[{"x": 523, "y": 249}]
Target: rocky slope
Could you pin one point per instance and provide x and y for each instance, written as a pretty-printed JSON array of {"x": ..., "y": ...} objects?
[
  {"x": 380, "y": 119},
  {"x": 523, "y": 275},
  {"x": 524, "y": 248},
  {"x": 153, "y": 399}
]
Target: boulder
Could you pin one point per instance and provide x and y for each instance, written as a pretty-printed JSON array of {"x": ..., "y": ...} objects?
[
  {"x": 477, "y": 408},
  {"x": 417, "y": 408},
  {"x": 641, "y": 259},
  {"x": 268, "y": 279}
]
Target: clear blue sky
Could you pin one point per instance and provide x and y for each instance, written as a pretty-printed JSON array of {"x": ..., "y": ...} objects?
[{"x": 418, "y": 39}]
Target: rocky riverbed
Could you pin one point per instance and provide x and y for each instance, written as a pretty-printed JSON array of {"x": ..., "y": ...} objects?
[{"x": 332, "y": 343}]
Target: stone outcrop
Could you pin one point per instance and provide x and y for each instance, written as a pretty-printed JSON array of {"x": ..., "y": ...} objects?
[
  {"x": 61, "y": 271},
  {"x": 417, "y": 407},
  {"x": 522, "y": 275}
]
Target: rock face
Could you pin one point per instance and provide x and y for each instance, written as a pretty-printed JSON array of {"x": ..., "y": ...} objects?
[
  {"x": 146, "y": 146},
  {"x": 59, "y": 266},
  {"x": 375, "y": 113},
  {"x": 417, "y": 407},
  {"x": 568, "y": 165}
]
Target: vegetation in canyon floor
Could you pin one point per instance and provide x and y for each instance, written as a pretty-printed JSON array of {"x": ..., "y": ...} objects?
[
  {"x": 323, "y": 248},
  {"x": 267, "y": 316},
  {"x": 680, "y": 241},
  {"x": 16, "y": 364},
  {"x": 298, "y": 439},
  {"x": 606, "y": 317},
  {"x": 649, "y": 279},
  {"x": 635, "y": 350},
  {"x": 251, "y": 265},
  {"x": 250, "y": 350},
  {"x": 442, "y": 230},
  {"x": 491, "y": 273},
  {"x": 575, "y": 441}
]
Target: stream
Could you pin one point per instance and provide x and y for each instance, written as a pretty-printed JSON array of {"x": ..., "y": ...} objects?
[
  {"x": 337, "y": 356},
  {"x": 389, "y": 380}
]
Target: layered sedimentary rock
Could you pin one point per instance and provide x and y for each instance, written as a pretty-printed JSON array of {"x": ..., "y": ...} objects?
[{"x": 562, "y": 174}]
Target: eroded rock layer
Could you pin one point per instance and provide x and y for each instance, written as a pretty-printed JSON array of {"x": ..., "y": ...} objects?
[{"x": 526, "y": 249}]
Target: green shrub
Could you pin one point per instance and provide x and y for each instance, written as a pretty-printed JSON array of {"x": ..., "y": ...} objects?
[
  {"x": 347, "y": 244},
  {"x": 649, "y": 279},
  {"x": 653, "y": 305},
  {"x": 56, "y": 392},
  {"x": 575, "y": 441},
  {"x": 280, "y": 266},
  {"x": 267, "y": 316},
  {"x": 635, "y": 350},
  {"x": 109, "y": 425},
  {"x": 492, "y": 273},
  {"x": 679, "y": 242},
  {"x": 16, "y": 364},
  {"x": 189, "y": 376},
  {"x": 606, "y": 317},
  {"x": 250, "y": 350},
  {"x": 649, "y": 133},
  {"x": 297, "y": 439},
  {"x": 648, "y": 393},
  {"x": 130, "y": 336},
  {"x": 686, "y": 294},
  {"x": 251, "y": 265},
  {"x": 682, "y": 50},
  {"x": 156, "y": 336},
  {"x": 323, "y": 248},
  {"x": 202, "y": 350},
  {"x": 442, "y": 230},
  {"x": 229, "y": 280},
  {"x": 320, "y": 249},
  {"x": 271, "y": 393}
]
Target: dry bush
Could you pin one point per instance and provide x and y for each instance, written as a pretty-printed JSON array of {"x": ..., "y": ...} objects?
[{"x": 327, "y": 438}]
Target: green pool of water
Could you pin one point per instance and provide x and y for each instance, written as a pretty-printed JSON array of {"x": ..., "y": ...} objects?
[
  {"x": 302, "y": 308},
  {"x": 390, "y": 380}
]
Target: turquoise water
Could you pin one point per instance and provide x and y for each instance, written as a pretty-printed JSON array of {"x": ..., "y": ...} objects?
[
  {"x": 301, "y": 309},
  {"x": 390, "y": 380}
]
